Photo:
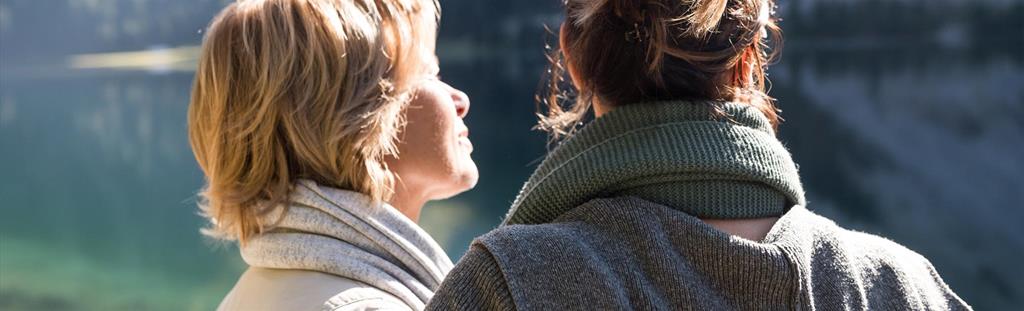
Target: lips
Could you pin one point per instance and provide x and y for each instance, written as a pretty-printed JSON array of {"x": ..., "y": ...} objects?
[{"x": 464, "y": 141}]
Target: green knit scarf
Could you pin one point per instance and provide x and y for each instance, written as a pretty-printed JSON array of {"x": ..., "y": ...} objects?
[{"x": 679, "y": 154}]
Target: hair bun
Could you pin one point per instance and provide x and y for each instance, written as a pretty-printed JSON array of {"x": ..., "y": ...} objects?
[
  {"x": 627, "y": 51},
  {"x": 703, "y": 16},
  {"x": 696, "y": 18}
]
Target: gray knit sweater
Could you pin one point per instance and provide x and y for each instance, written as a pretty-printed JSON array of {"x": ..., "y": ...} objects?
[{"x": 610, "y": 221}]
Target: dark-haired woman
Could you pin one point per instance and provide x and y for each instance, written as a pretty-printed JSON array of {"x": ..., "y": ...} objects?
[{"x": 678, "y": 195}]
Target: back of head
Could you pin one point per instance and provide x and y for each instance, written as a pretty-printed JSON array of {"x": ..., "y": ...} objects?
[
  {"x": 312, "y": 89},
  {"x": 629, "y": 51}
]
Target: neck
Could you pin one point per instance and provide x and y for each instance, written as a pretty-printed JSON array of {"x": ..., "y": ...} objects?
[
  {"x": 754, "y": 229},
  {"x": 408, "y": 201},
  {"x": 600, "y": 109}
]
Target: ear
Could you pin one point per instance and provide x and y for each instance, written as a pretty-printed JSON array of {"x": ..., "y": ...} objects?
[{"x": 742, "y": 73}]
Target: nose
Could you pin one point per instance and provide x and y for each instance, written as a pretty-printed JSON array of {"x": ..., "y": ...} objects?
[{"x": 461, "y": 101}]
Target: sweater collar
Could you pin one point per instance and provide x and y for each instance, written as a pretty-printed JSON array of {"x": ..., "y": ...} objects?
[{"x": 679, "y": 154}]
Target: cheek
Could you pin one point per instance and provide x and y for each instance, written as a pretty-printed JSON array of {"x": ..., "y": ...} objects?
[
  {"x": 426, "y": 138},
  {"x": 430, "y": 155},
  {"x": 427, "y": 122}
]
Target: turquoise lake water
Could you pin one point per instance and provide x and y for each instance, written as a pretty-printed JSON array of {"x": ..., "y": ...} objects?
[{"x": 916, "y": 138}]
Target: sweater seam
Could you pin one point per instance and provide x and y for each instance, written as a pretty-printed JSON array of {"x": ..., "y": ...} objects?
[
  {"x": 796, "y": 289},
  {"x": 504, "y": 277}
]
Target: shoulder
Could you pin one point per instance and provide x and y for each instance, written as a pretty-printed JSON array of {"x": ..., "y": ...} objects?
[
  {"x": 890, "y": 261},
  {"x": 864, "y": 249},
  {"x": 591, "y": 234},
  {"x": 884, "y": 267},
  {"x": 878, "y": 248},
  {"x": 821, "y": 235},
  {"x": 476, "y": 283},
  {"x": 504, "y": 269},
  {"x": 529, "y": 233},
  {"x": 287, "y": 289},
  {"x": 586, "y": 220},
  {"x": 524, "y": 246}
]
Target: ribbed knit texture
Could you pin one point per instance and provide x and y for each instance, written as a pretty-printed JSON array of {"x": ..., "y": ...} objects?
[
  {"x": 611, "y": 220},
  {"x": 347, "y": 234},
  {"x": 631, "y": 254},
  {"x": 679, "y": 154}
]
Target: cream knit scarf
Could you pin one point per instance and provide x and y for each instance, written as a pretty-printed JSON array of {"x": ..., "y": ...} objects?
[{"x": 345, "y": 234}]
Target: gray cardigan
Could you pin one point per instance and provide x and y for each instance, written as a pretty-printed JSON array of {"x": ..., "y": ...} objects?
[
  {"x": 630, "y": 254},
  {"x": 611, "y": 221}
]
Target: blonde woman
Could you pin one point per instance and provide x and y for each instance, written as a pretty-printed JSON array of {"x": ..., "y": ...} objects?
[
  {"x": 678, "y": 196},
  {"x": 322, "y": 129}
]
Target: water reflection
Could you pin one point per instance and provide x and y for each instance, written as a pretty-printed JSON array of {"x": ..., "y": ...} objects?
[
  {"x": 98, "y": 185},
  {"x": 98, "y": 182},
  {"x": 157, "y": 60}
]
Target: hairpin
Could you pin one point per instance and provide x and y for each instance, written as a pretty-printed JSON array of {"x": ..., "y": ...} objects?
[
  {"x": 638, "y": 34},
  {"x": 635, "y": 35}
]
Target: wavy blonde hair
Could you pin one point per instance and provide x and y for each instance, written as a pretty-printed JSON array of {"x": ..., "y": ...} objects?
[{"x": 310, "y": 89}]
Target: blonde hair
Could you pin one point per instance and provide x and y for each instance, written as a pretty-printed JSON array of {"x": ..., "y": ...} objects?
[
  {"x": 631, "y": 51},
  {"x": 302, "y": 89}
]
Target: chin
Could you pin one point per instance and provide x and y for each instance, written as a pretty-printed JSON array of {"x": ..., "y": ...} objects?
[
  {"x": 469, "y": 180},
  {"x": 462, "y": 181},
  {"x": 468, "y": 177}
]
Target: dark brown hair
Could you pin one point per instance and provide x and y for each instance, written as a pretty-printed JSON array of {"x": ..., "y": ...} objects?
[{"x": 630, "y": 51}]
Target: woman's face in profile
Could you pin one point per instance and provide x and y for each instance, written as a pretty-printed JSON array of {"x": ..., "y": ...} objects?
[{"x": 434, "y": 147}]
